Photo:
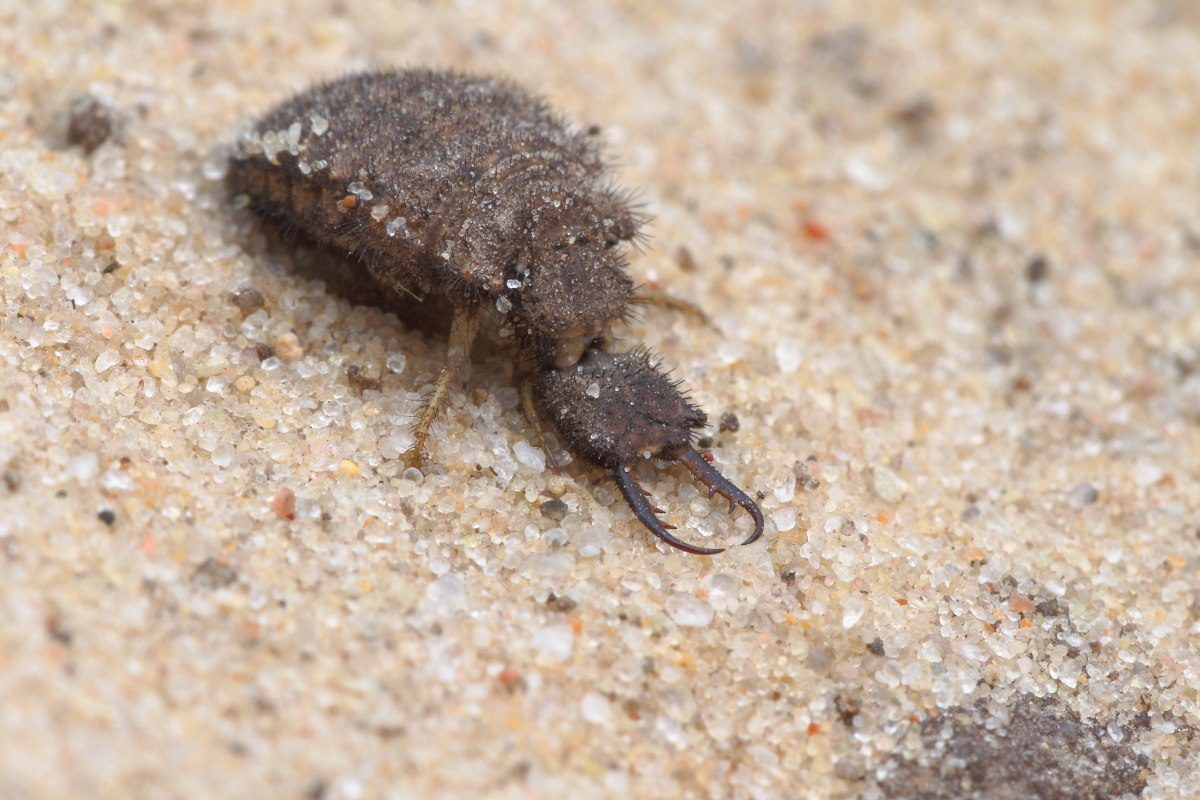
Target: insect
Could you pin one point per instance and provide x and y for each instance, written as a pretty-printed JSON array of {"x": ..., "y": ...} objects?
[{"x": 471, "y": 192}]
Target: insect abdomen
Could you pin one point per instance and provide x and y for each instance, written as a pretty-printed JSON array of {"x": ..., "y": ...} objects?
[{"x": 427, "y": 176}]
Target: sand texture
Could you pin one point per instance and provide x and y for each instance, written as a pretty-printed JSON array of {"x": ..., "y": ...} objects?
[{"x": 950, "y": 255}]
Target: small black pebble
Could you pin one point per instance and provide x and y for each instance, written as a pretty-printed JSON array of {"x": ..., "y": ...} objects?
[
  {"x": 1085, "y": 494},
  {"x": 1037, "y": 268},
  {"x": 554, "y": 509},
  {"x": 264, "y": 351},
  {"x": 788, "y": 577},
  {"x": 112, "y": 267},
  {"x": 685, "y": 259},
  {"x": 876, "y": 647},
  {"x": 212, "y": 574},
  {"x": 248, "y": 299},
  {"x": 107, "y": 517},
  {"x": 848, "y": 708},
  {"x": 90, "y": 122},
  {"x": 916, "y": 112},
  {"x": 728, "y": 423},
  {"x": 804, "y": 478},
  {"x": 56, "y": 631},
  {"x": 562, "y": 604},
  {"x": 362, "y": 378},
  {"x": 704, "y": 442},
  {"x": 1051, "y": 608}
]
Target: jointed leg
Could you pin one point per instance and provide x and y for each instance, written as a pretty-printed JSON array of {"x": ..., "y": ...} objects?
[
  {"x": 531, "y": 417},
  {"x": 462, "y": 334},
  {"x": 653, "y": 296}
]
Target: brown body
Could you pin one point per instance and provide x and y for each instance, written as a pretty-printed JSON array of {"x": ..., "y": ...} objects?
[
  {"x": 462, "y": 187},
  {"x": 466, "y": 191}
]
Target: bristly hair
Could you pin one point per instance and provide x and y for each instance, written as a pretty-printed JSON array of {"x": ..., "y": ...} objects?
[
  {"x": 633, "y": 310},
  {"x": 634, "y": 202},
  {"x": 634, "y": 306},
  {"x": 647, "y": 356},
  {"x": 653, "y": 362}
]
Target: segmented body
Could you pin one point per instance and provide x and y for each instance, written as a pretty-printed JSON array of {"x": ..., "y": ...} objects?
[
  {"x": 464, "y": 187},
  {"x": 468, "y": 191}
]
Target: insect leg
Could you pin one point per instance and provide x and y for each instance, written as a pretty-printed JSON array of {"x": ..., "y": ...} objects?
[
  {"x": 653, "y": 296},
  {"x": 529, "y": 406},
  {"x": 462, "y": 334}
]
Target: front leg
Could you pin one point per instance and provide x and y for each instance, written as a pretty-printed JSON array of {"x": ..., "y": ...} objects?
[
  {"x": 462, "y": 335},
  {"x": 529, "y": 404},
  {"x": 654, "y": 296}
]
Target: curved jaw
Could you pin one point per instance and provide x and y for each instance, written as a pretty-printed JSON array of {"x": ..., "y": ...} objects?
[
  {"x": 617, "y": 409},
  {"x": 637, "y": 497}
]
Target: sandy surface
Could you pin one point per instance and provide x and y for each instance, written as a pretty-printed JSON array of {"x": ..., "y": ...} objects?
[{"x": 951, "y": 259}]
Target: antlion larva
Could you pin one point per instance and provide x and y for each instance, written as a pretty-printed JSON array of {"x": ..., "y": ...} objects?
[{"x": 470, "y": 192}]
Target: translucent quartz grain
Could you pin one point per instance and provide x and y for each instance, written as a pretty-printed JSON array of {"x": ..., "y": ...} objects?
[{"x": 689, "y": 611}]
